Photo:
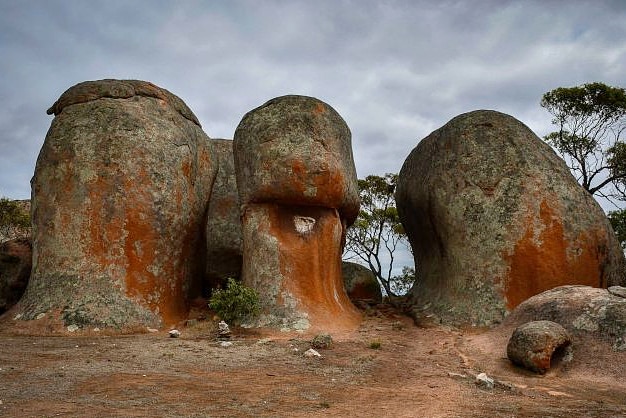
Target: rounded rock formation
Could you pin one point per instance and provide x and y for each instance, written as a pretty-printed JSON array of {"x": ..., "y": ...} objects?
[
  {"x": 360, "y": 282},
  {"x": 119, "y": 196},
  {"x": 587, "y": 313},
  {"x": 223, "y": 229},
  {"x": 537, "y": 345},
  {"x": 297, "y": 184},
  {"x": 494, "y": 217}
]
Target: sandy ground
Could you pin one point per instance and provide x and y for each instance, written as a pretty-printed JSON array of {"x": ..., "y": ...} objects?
[{"x": 416, "y": 372}]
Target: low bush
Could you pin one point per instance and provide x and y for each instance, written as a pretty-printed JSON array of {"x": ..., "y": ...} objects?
[{"x": 235, "y": 303}]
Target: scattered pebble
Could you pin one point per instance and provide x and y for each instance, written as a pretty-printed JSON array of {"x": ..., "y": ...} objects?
[
  {"x": 226, "y": 344},
  {"x": 485, "y": 381},
  {"x": 174, "y": 333},
  {"x": 312, "y": 353},
  {"x": 263, "y": 341},
  {"x": 152, "y": 329},
  {"x": 72, "y": 328},
  {"x": 41, "y": 315},
  {"x": 17, "y": 317},
  {"x": 96, "y": 329}
]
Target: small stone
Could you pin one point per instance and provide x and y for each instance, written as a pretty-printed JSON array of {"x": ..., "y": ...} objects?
[
  {"x": 485, "y": 381},
  {"x": 264, "y": 341},
  {"x": 73, "y": 328},
  {"x": 536, "y": 345},
  {"x": 41, "y": 315},
  {"x": 152, "y": 329},
  {"x": 174, "y": 333},
  {"x": 312, "y": 353},
  {"x": 225, "y": 344},
  {"x": 96, "y": 329},
  {"x": 17, "y": 317},
  {"x": 223, "y": 331},
  {"x": 322, "y": 341},
  {"x": 617, "y": 291},
  {"x": 458, "y": 375}
]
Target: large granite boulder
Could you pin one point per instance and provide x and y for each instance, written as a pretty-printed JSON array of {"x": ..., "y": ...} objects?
[
  {"x": 494, "y": 217},
  {"x": 360, "y": 282},
  {"x": 223, "y": 228},
  {"x": 119, "y": 197},
  {"x": 589, "y": 314},
  {"x": 297, "y": 184},
  {"x": 15, "y": 266}
]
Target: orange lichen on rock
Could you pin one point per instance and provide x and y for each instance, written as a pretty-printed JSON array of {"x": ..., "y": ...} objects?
[{"x": 545, "y": 259}]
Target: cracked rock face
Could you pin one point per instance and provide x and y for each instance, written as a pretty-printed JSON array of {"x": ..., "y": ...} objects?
[
  {"x": 223, "y": 229},
  {"x": 297, "y": 184},
  {"x": 119, "y": 195},
  {"x": 494, "y": 217},
  {"x": 538, "y": 345}
]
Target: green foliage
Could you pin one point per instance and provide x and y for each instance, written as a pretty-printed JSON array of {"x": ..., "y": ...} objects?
[
  {"x": 12, "y": 219},
  {"x": 236, "y": 303},
  {"x": 591, "y": 119},
  {"x": 402, "y": 283},
  {"x": 618, "y": 221},
  {"x": 375, "y": 345},
  {"x": 377, "y": 232}
]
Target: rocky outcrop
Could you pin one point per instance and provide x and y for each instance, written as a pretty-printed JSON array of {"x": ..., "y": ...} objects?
[
  {"x": 360, "y": 282},
  {"x": 587, "y": 313},
  {"x": 538, "y": 345},
  {"x": 494, "y": 217},
  {"x": 297, "y": 184},
  {"x": 119, "y": 196},
  {"x": 223, "y": 229},
  {"x": 15, "y": 265}
]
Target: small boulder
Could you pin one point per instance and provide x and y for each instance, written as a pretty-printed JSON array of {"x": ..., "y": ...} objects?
[
  {"x": 360, "y": 282},
  {"x": 537, "y": 345},
  {"x": 592, "y": 315}
]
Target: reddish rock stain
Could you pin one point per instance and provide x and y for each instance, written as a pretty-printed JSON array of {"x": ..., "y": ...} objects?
[
  {"x": 537, "y": 265},
  {"x": 311, "y": 266}
]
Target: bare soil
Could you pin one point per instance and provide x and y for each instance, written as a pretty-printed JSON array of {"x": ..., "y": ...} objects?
[{"x": 416, "y": 372}]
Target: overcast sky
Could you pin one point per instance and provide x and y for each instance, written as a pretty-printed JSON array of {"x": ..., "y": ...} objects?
[{"x": 395, "y": 70}]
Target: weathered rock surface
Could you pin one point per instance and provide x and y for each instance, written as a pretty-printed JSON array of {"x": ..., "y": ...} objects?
[
  {"x": 297, "y": 184},
  {"x": 15, "y": 266},
  {"x": 360, "y": 282},
  {"x": 494, "y": 217},
  {"x": 120, "y": 192},
  {"x": 537, "y": 345},
  {"x": 223, "y": 229},
  {"x": 588, "y": 313}
]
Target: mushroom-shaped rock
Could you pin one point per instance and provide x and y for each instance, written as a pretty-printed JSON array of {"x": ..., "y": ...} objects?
[
  {"x": 360, "y": 282},
  {"x": 538, "y": 345},
  {"x": 494, "y": 217},
  {"x": 15, "y": 266},
  {"x": 297, "y": 184},
  {"x": 223, "y": 228},
  {"x": 119, "y": 196}
]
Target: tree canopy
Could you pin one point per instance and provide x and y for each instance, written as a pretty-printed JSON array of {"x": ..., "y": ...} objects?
[
  {"x": 591, "y": 119},
  {"x": 13, "y": 221},
  {"x": 377, "y": 233}
]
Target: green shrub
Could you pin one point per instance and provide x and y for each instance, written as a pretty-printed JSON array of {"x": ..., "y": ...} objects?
[
  {"x": 375, "y": 345},
  {"x": 236, "y": 303}
]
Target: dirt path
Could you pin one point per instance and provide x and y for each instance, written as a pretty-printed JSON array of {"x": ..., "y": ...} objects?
[{"x": 417, "y": 372}]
